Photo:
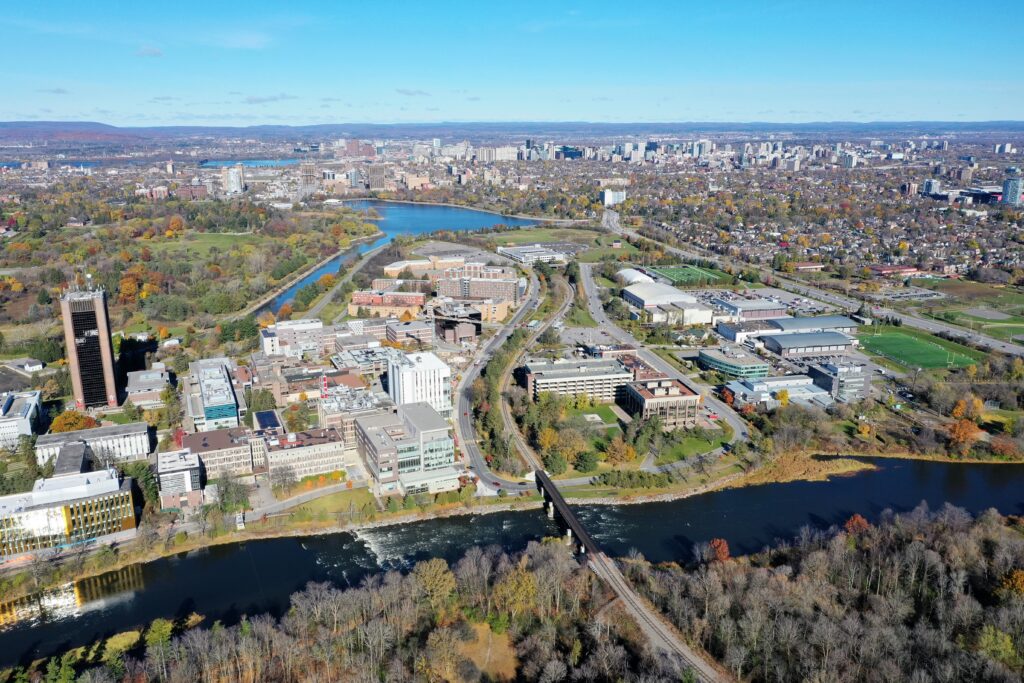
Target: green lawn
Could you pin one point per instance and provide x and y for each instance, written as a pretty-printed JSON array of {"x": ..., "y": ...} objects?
[
  {"x": 690, "y": 446},
  {"x": 579, "y": 316},
  {"x": 604, "y": 412},
  {"x": 602, "y": 281},
  {"x": 338, "y": 502},
  {"x": 201, "y": 243},
  {"x": 914, "y": 349},
  {"x": 535, "y": 235}
]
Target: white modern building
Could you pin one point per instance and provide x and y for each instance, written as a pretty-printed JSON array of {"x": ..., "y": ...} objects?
[
  {"x": 612, "y": 197},
  {"x": 118, "y": 443},
  {"x": 421, "y": 377},
  {"x": 19, "y": 414}
]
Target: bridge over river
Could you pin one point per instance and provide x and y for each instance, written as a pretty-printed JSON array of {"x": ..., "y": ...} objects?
[{"x": 655, "y": 627}]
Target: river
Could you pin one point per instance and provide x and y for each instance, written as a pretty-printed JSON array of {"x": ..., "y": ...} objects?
[
  {"x": 396, "y": 219},
  {"x": 225, "y": 582}
]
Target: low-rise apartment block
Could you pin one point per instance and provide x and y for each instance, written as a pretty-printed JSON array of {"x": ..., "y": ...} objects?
[{"x": 386, "y": 304}]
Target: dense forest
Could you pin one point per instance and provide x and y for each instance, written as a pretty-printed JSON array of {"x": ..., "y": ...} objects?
[
  {"x": 537, "y": 616},
  {"x": 923, "y": 596}
]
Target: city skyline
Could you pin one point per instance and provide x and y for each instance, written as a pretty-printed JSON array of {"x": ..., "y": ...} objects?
[{"x": 254, "y": 64}]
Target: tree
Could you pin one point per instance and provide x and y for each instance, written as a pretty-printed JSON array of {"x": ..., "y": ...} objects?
[
  {"x": 547, "y": 439},
  {"x": 131, "y": 411},
  {"x": 586, "y": 462},
  {"x": 516, "y": 592},
  {"x": 436, "y": 580},
  {"x": 618, "y": 451},
  {"x": 285, "y": 312},
  {"x": 158, "y": 638},
  {"x": 856, "y": 524},
  {"x": 962, "y": 435},
  {"x": 997, "y": 645},
  {"x": 719, "y": 548},
  {"x": 783, "y": 397},
  {"x": 72, "y": 421}
]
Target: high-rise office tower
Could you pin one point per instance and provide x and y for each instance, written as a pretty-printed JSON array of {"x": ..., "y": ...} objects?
[
  {"x": 89, "y": 350},
  {"x": 1011, "y": 191}
]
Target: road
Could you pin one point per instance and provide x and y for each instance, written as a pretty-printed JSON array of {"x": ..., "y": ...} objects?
[
  {"x": 739, "y": 426},
  {"x": 315, "y": 309},
  {"x": 464, "y": 428},
  {"x": 846, "y": 303}
]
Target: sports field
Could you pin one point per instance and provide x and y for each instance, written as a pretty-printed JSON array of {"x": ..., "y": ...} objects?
[
  {"x": 687, "y": 275},
  {"x": 914, "y": 352}
]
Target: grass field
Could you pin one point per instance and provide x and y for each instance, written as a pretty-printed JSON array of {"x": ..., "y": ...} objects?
[
  {"x": 603, "y": 249},
  {"x": 913, "y": 349},
  {"x": 533, "y": 235},
  {"x": 579, "y": 316},
  {"x": 689, "y": 275},
  {"x": 606, "y": 413},
  {"x": 338, "y": 502},
  {"x": 201, "y": 243}
]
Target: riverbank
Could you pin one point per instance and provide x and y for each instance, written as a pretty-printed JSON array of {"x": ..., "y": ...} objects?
[
  {"x": 283, "y": 287},
  {"x": 470, "y": 207}
]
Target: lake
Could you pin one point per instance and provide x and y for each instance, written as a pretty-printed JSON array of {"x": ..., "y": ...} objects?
[
  {"x": 225, "y": 582},
  {"x": 395, "y": 219}
]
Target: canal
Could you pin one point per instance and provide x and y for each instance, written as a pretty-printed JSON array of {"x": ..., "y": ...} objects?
[{"x": 401, "y": 219}]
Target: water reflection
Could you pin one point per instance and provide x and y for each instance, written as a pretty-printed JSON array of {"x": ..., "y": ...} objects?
[{"x": 74, "y": 599}]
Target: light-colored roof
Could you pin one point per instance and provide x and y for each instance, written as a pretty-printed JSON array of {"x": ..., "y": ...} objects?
[{"x": 656, "y": 293}]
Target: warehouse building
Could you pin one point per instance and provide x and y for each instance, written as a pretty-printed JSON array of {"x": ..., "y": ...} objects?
[
  {"x": 649, "y": 295},
  {"x": 808, "y": 344},
  {"x": 750, "y": 309}
]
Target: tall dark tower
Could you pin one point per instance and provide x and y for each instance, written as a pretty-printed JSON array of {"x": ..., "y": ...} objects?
[{"x": 89, "y": 350}]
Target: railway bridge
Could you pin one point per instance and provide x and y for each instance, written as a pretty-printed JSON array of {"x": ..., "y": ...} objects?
[{"x": 660, "y": 634}]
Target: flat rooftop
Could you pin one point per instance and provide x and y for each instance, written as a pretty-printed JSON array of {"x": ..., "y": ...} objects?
[
  {"x": 789, "y": 341},
  {"x": 112, "y": 431}
]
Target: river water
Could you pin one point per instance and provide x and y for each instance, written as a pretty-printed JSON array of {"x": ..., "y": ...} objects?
[
  {"x": 228, "y": 581},
  {"x": 397, "y": 219}
]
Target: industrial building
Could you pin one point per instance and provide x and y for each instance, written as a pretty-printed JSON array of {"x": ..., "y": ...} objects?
[{"x": 808, "y": 344}]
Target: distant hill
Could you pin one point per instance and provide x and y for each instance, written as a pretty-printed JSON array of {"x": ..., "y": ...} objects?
[{"x": 89, "y": 131}]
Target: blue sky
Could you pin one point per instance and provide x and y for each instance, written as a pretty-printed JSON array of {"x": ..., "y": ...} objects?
[{"x": 140, "y": 63}]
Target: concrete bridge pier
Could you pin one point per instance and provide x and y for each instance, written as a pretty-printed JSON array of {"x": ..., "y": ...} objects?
[{"x": 568, "y": 536}]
